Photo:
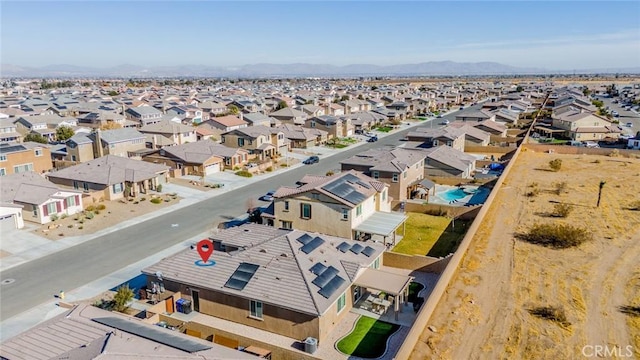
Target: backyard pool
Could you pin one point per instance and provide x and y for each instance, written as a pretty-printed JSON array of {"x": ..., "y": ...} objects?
[{"x": 459, "y": 196}]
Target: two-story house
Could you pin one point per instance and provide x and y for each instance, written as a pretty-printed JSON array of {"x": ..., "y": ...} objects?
[
  {"x": 41, "y": 200},
  {"x": 583, "y": 126},
  {"x": 189, "y": 113},
  {"x": 23, "y": 157},
  {"x": 301, "y": 137},
  {"x": 349, "y": 204},
  {"x": 399, "y": 168},
  {"x": 335, "y": 127},
  {"x": 143, "y": 115},
  {"x": 9, "y": 131},
  {"x": 35, "y": 124},
  {"x": 365, "y": 120},
  {"x": 118, "y": 142},
  {"x": 257, "y": 119},
  {"x": 168, "y": 133},
  {"x": 475, "y": 116},
  {"x": 290, "y": 115},
  {"x": 472, "y": 135},
  {"x": 261, "y": 141}
]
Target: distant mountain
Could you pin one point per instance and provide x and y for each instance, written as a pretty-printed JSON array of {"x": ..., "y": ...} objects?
[{"x": 432, "y": 68}]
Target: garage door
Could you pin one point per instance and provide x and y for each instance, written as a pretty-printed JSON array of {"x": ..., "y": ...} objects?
[
  {"x": 212, "y": 169},
  {"x": 7, "y": 222}
]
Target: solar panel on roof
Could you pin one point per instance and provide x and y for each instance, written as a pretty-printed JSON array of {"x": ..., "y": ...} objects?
[
  {"x": 368, "y": 251},
  {"x": 312, "y": 245},
  {"x": 318, "y": 268},
  {"x": 304, "y": 239},
  {"x": 327, "y": 275},
  {"x": 355, "y": 197},
  {"x": 240, "y": 278},
  {"x": 363, "y": 184},
  {"x": 10, "y": 149},
  {"x": 356, "y": 248},
  {"x": 331, "y": 286},
  {"x": 344, "y": 247}
]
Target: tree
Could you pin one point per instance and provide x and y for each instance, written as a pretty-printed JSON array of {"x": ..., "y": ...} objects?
[
  {"x": 123, "y": 295},
  {"x": 63, "y": 133},
  {"x": 113, "y": 93},
  {"x": 344, "y": 98},
  {"x": 519, "y": 89},
  {"x": 586, "y": 91},
  {"x": 35, "y": 137},
  {"x": 110, "y": 125},
  {"x": 234, "y": 110},
  {"x": 281, "y": 105}
]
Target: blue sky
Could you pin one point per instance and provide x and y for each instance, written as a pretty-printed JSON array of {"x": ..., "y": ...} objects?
[{"x": 563, "y": 35}]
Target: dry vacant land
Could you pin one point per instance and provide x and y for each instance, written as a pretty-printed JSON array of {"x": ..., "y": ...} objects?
[{"x": 485, "y": 312}]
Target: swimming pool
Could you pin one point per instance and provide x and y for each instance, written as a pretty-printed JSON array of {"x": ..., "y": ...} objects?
[{"x": 459, "y": 196}]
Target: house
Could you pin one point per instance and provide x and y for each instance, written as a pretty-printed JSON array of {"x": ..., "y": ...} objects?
[
  {"x": 475, "y": 115},
  {"x": 189, "y": 113},
  {"x": 41, "y": 200},
  {"x": 492, "y": 127},
  {"x": 301, "y": 137},
  {"x": 290, "y": 115},
  {"x": 257, "y": 119},
  {"x": 212, "y": 109},
  {"x": 365, "y": 120},
  {"x": 505, "y": 116},
  {"x": 292, "y": 283},
  {"x": 168, "y": 133},
  {"x": 199, "y": 158},
  {"x": 23, "y": 157},
  {"x": 334, "y": 109},
  {"x": 9, "y": 131},
  {"x": 447, "y": 161},
  {"x": 143, "y": 115},
  {"x": 583, "y": 126},
  {"x": 334, "y": 126},
  {"x": 36, "y": 124},
  {"x": 432, "y": 137},
  {"x": 119, "y": 142},
  {"x": 355, "y": 105},
  {"x": 399, "y": 168},
  {"x": 88, "y": 332},
  {"x": 392, "y": 116},
  {"x": 227, "y": 123},
  {"x": 348, "y": 204},
  {"x": 634, "y": 143},
  {"x": 312, "y": 110},
  {"x": 472, "y": 135},
  {"x": 108, "y": 177},
  {"x": 260, "y": 141},
  {"x": 80, "y": 148},
  {"x": 102, "y": 118}
]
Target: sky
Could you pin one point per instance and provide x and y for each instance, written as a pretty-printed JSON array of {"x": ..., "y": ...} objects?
[{"x": 559, "y": 35}]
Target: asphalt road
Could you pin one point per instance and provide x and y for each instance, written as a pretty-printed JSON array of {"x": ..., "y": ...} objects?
[
  {"x": 626, "y": 116},
  {"x": 37, "y": 281}
]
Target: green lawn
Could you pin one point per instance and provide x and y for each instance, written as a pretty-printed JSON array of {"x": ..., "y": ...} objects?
[
  {"x": 430, "y": 235},
  {"x": 368, "y": 339},
  {"x": 384, "y": 129}
]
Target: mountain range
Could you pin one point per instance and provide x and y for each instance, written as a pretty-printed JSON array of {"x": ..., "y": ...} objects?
[{"x": 432, "y": 68}]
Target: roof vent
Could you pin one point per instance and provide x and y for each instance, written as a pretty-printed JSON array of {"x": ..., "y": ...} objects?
[
  {"x": 284, "y": 255},
  {"x": 263, "y": 251},
  {"x": 246, "y": 230}
]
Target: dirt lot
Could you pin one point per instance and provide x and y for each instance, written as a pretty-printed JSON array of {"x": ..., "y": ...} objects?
[
  {"x": 114, "y": 212},
  {"x": 485, "y": 312}
]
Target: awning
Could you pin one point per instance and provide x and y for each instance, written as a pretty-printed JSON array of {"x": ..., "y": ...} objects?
[
  {"x": 390, "y": 283},
  {"x": 381, "y": 223}
]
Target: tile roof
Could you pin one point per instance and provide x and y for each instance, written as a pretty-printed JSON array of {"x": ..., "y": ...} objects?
[
  {"x": 450, "y": 156},
  {"x": 200, "y": 151},
  {"x": 118, "y": 135},
  {"x": 394, "y": 160},
  {"x": 283, "y": 278},
  {"x": 166, "y": 127},
  {"x": 228, "y": 120},
  {"x": 109, "y": 170},
  {"x": 27, "y": 187}
]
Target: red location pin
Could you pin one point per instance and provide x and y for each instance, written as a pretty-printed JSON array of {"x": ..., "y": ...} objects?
[{"x": 205, "y": 249}]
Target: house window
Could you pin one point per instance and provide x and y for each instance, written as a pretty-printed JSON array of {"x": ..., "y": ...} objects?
[
  {"x": 75, "y": 184},
  {"x": 240, "y": 142},
  {"x": 359, "y": 210},
  {"x": 345, "y": 214},
  {"x": 3, "y": 172},
  {"x": 384, "y": 195},
  {"x": 315, "y": 196},
  {"x": 449, "y": 143},
  {"x": 280, "y": 136},
  {"x": 376, "y": 174},
  {"x": 85, "y": 186},
  {"x": 117, "y": 188},
  {"x": 35, "y": 212},
  {"x": 222, "y": 139},
  {"x": 286, "y": 205},
  {"x": 404, "y": 174},
  {"x": 305, "y": 211},
  {"x": 22, "y": 168},
  {"x": 376, "y": 263},
  {"x": 342, "y": 300},
  {"x": 435, "y": 142},
  {"x": 256, "y": 309},
  {"x": 395, "y": 178},
  {"x": 287, "y": 225},
  {"x": 227, "y": 161},
  {"x": 3, "y": 157},
  {"x": 51, "y": 208},
  {"x": 71, "y": 201}
]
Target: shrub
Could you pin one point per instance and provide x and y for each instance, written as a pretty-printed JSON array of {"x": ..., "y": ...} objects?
[
  {"x": 244, "y": 173},
  {"x": 558, "y": 236},
  {"x": 555, "y": 164},
  {"x": 156, "y": 200},
  {"x": 89, "y": 215},
  {"x": 136, "y": 202},
  {"x": 64, "y": 216},
  {"x": 329, "y": 173},
  {"x": 635, "y": 205},
  {"x": 123, "y": 295},
  {"x": 97, "y": 212},
  {"x": 269, "y": 169},
  {"x": 284, "y": 165},
  {"x": 143, "y": 198},
  {"x": 80, "y": 227},
  {"x": 561, "y": 210},
  {"x": 70, "y": 226},
  {"x": 53, "y": 217},
  {"x": 552, "y": 313},
  {"x": 560, "y": 187},
  {"x": 159, "y": 188},
  {"x": 90, "y": 208},
  {"x": 101, "y": 207},
  {"x": 534, "y": 192},
  {"x": 614, "y": 153}
]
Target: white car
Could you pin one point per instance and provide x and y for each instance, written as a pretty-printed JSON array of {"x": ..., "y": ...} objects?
[
  {"x": 444, "y": 122},
  {"x": 591, "y": 144}
]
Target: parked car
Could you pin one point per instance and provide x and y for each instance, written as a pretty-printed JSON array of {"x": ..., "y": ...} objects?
[
  {"x": 311, "y": 160},
  {"x": 268, "y": 196},
  {"x": 372, "y": 139},
  {"x": 444, "y": 122},
  {"x": 629, "y": 124},
  {"x": 591, "y": 144},
  {"x": 461, "y": 107},
  {"x": 575, "y": 143},
  {"x": 439, "y": 116}
]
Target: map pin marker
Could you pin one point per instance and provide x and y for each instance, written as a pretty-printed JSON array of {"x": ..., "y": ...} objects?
[{"x": 205, "y": 249}]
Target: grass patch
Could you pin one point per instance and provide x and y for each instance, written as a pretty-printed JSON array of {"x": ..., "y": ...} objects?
[
  {"x": 430, "y": 235},
  {"x": 368, "y": 339},
  {"x": 384, "y": 129},
  {"x": 244, "y": 173}
]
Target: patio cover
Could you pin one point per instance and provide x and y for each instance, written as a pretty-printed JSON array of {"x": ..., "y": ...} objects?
[
  {"x": 381, "y": 223},
  {"x": 390, "y": 283}
]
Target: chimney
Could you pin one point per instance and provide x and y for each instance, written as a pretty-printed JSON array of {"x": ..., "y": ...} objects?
[
  {"x": 154, "y": 142},
  {"x": 99, "y": 151},
  {"x": 241, "y": 116}
]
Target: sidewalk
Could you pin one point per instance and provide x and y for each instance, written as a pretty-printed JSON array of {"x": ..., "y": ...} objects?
[{"x": 21, "y": 322}]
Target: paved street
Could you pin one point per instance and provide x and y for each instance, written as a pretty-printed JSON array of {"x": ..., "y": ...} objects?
[{"x": 37, "y": 281}]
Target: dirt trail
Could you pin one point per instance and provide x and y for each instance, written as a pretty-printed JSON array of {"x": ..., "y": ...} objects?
[{"x": 485, "y": 312}]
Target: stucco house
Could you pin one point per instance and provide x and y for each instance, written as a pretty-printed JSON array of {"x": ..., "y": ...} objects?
[
  {"x": 475, "y": 115},
  {"x": 447, "y": 161},
  {"x": 583, "y": 126},
  {"x": 109, "y": 176},
  {"x": 9, "y": 131},
  {"x": 336, "y": 127},
  {"x": 23, "y": 157},
  {"x": 433, "y": 137},
  {"x": 302, "y": 137},
  {"x": 202, "y": 157},
  {"x": 290, "y": 115},
  {"x": 143, "y": 115},
  {"x": 261, "y": 141},
  {"x": 168, "y": 133}
]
